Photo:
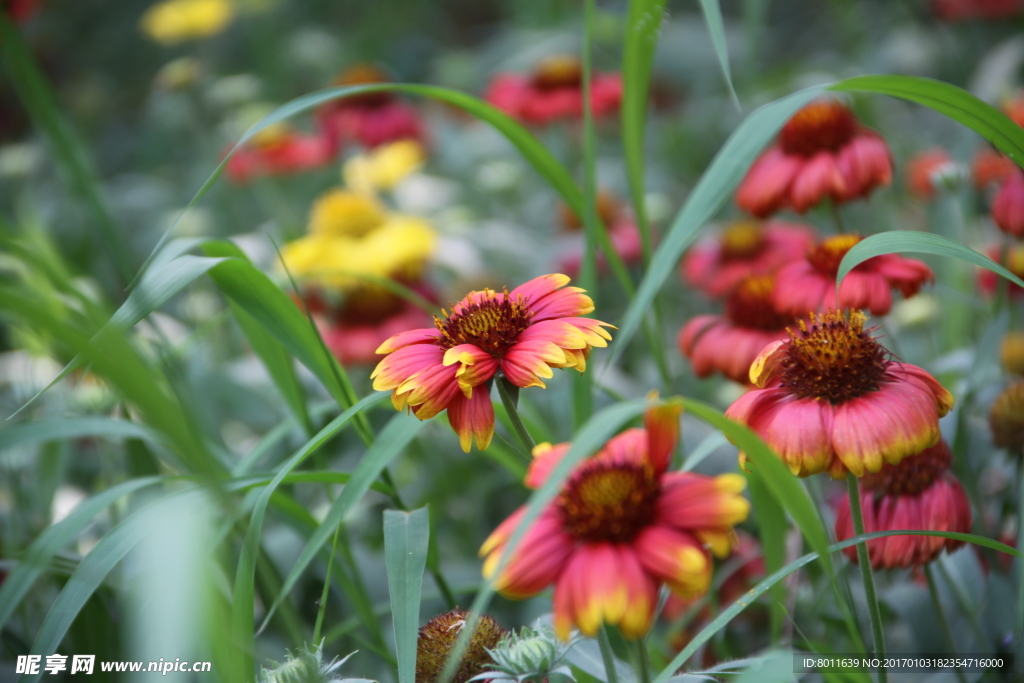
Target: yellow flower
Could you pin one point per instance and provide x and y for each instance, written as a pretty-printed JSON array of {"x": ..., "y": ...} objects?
[
  {"x": 176, "y": 21},
  {"x": 385, "y": 166},
  {"x": 339, "y": 213}
]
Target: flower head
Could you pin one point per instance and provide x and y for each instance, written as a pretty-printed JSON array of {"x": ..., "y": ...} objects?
[
  {"x": 530, "y": 655},
  {"x": 437, "y": 638},
  {"x": 1006, "y": 418},
  {"x": 369, "y": 119},
  {"x": 810, "y": 283},
  {"x": 990, "y": 166},
  {"x": 831, "y": 400},
  {"x": 622, "y": 233},
  {"x": 176, "y": 21},
  {"x": 1012, "y": 260},
  {"x": 744, "y": 248},
  {"x": 620, "y": 527},
  {"x": 279, "y": 150},
  {"x": 933, "y": 171},
  {"x": 307, "y": 666},
  {"x": 384, "y": 167},
  {"x": 729, "y": 343},
  {"x": 1008, "y": 206},
  {"x": 554, "y": 91},
  {"x": 919, "y": 493},
  {"x": 821, "y": 152},
  {"x": 523, "y": 334}
]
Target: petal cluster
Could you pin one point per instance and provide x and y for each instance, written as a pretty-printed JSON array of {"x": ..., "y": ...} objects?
[
  {"x": 621, "y": 527},
  {"x": 553, "y": 92},
  {"x": 523, "y": 334}
]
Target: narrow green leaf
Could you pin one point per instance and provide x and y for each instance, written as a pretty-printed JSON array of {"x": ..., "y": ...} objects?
[
  {"x": 771, "y": 527},
  {"x": 61, "y": 428},
  {"x": 716, "y": 27},
  {"x": 757, "y": 591},
  {"x": 391, "y": 441},
  {"x": 906, "y": 241},
  {"x": 406, "y": 539}
]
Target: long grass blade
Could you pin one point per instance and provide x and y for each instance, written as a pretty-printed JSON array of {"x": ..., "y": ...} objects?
[{"x": 406, "y": 539}]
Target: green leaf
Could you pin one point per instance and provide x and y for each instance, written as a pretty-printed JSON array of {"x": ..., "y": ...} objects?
[
  {"x": 757, "y": 591},
  {"x": 406, "y": 538},
  {"x": 906, "y": 241},
  {"x": 771, "y": 530},
  {"x": 61, "y": 428},
  {"x": 245, "y": 572},
  {"x": 40, "y": 553},
  {"x": 713, "y": 189},
  {"x": 391, "y": 441},
  {"x": 954, "y": 102},
  {"x": 716, "y": 27}
]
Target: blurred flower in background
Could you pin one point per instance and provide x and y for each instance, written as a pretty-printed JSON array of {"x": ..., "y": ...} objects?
[
  {"x": 1006, "y": 419},
  {"x": 368, "y": 119},
  {"x": 1011, "y": 352},
  {"x": 933, "y": 171},
  {"x": 20, "y": 10},
  {"x": 384, "y": 167},
  {"x": 1010, "y": 257},
  {"x": 279, "y": 150},
  {"x": 961, "y": 10},
  {"x": 620, "y": 226},
  {"x": 177, "y": 21}
]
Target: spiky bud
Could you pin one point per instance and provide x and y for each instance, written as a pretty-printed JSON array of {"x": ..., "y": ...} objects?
[
  {"x": 307, "y": 666},
  {"x": 530, "y": 655},
  {"x": 437, "y": 638}
]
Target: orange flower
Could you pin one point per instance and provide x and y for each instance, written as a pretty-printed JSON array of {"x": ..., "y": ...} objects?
[
  {"x": 523, "y": 334},
  {"x": 917, "y": 494},
  {"x": 554, "y": 91},
  {"x": 830, "y": 400},
  {"x": 620, "y": 527},
  {"x": 821, "y": 152},
  {"x": 810, "y": 283}
]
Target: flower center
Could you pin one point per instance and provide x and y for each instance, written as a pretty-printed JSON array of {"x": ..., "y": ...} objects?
[
  {"x": 608, "y": 501},
  {"x": 493, "y": 322},
  {"x": 562, "y": 71},
  {"x": 913, "y": 474},
  {"x": 820, "y": 126},
  {"x": 750, "y": 305},
  {"x": 833, "y": 358},
  {"x": 828, "y": 254},
  {"x": 741, "y": 240}
]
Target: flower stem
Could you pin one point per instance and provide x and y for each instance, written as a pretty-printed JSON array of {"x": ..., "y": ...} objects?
[
  {"x": 607, "y": 656},
  {"x": 940, "y": 613},
  {"x": 643, "y": 664},
  {"x": 326, "y": 591},
  {"x": 853, "y": 487},
  {"x": 510, "y": 399}
]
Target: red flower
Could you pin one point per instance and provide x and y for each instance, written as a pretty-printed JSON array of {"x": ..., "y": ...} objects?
[
  {"x": 21, "y": 10},
  {"x": 744, "y": 248},
  {"x": 729, "y": 343},
  {"x": 990, "y": 167},
  {"x": 810, "y": 284},
  {"x": 917, "y": 494},
  {"x": 989, "y": 282},
  {"x": 821, "y": 152},
  {"x": 279, "y": 151},
  {"x": 554, "y": 91},
  {"x": 523, "y": 334},
  {"x": 958, "y": 10},
  {"x": 830, "y": 400},
  {"x": 926, "y": 168},
  {"x": 620, "y": 528},
  {"x": 370, "y": 119},
  {"x": 1008, "y": 207}
]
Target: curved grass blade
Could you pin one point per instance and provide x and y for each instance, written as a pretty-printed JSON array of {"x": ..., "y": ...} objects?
[
  {"x": 41, "y": 552},
  {"x": 406, "y": 539},
  {"x": 716, "y": 27},
  {"x": 757, "y": 591},
  {"x": 392, "y": 440},
  {"x": 245, "y": 572},
  {"x": 906, "y": 241}
]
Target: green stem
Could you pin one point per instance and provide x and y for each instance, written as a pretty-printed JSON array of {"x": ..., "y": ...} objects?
[
  {"x": 853, "y": 487},
  {"x": 327, "y": 587},
  {"x": 606, "y": 655},
  {"x": 592, "y": 226},
  {"x": 642, "y": 663},
  {"x": 940, "y": 613},
  {"x": 510, "y": 399}
]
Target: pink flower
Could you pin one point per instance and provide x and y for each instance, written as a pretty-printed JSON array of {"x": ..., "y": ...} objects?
[
  {"x": 917, "y": 494},
  {"x": 729, "y": 343},
  {"x": 354, "y": 338},
  {"x": 1008, "y": 207},
  {"x": 743, "y": 249},
  {"x": 279, "y": 152},
  {"x": 821, "y": 152},
  {"x": 522, "y": 334},
  {"x": 830, "y": 400},
  {"x": 990, "y": 167},
  {"x": 554, "y": 91},
  {"x": 810, "y": 284},
  {"x": 620, "y": 527},
  {"x": 369, "y": 119}
]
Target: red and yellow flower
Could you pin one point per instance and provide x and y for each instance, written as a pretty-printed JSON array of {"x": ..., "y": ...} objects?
[
  {"x": 729, "y": 343},
  {"x": 829, "y": 399},
  {"x": 744, "y": 248},
  {"x": 369, "y": 119},
  {"x": 919, "y": 494},
  {"x": 523, "y": 334},
  {"x": 620, "y": 527},
  {"x": 554, "y": 91},
  {"x": 810, "y": 283},
  {"x": 279, "y": 150},
  {"x": 822, "y": 151}
]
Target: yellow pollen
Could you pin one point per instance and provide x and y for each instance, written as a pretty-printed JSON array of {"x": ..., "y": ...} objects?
[
  {"x": 608, "y": 501},
  {"x": 828, "y": 254},
  {"x": 492, "y": 324},
  {"x": 820, "y": 126},
  {"x": 742, "y": 239},
  {"x": 751, "y": 305}
]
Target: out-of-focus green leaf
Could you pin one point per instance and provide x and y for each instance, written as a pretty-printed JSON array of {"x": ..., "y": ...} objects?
[
  {"x": 391, "y": 441},
  {"x": 906, "y": 241},
  {"x": 771, "y": 528},
  {"x": 757, "y": 591},
  {"x": 716, "y": 27},
  {"x": 406, "y": 539},
  {"x": 61, "y": 428}
]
